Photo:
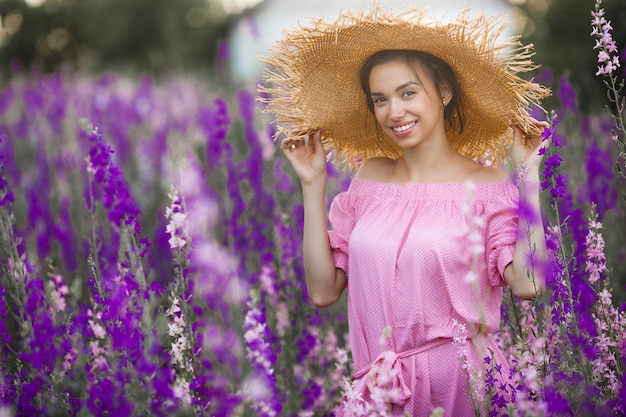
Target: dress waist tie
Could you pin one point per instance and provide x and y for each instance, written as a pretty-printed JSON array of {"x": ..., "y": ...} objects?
[{"x": 385, "y": 373}]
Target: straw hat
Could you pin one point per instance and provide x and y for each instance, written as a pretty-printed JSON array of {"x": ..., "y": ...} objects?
[{"x": 312, "y": 81}]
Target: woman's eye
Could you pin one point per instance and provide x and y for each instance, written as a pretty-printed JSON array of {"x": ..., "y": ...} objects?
[
  {"x": 379, "y": 100},
  {"x": 408, "y": 93}
]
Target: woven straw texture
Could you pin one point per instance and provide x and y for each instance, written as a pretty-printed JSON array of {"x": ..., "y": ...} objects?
[{"x": 312, "y": 81}]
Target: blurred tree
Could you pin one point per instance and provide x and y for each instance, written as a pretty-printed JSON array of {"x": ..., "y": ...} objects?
[
  {"x": 560, "y": 31},
  {"x": 155, "y": 35}
]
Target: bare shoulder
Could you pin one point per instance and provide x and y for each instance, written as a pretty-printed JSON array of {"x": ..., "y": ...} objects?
[
  {"x": 488, "y": 174},
  {"x": 375, "y": 169}
]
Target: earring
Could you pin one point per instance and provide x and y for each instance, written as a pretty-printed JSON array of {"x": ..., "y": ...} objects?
[{"x": 443, "y": 102}]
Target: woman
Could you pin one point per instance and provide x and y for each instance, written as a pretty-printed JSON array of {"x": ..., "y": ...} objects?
[{"x": 426, "y": 236}]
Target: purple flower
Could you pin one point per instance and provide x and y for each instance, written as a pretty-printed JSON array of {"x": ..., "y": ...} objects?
[
  {"x": 259, "y": 340},
  {"x": 600, "y": 187},
  {"x": 622, "y": 396},
  {"x": 311, "y": 394},
  {"x": 143, "y": 103},
  {"x": 29, "y": 402},
  {"x": 5, "y": 337},
  {"x": 106, "y": 398},
  {"x": 582, "y": 293},
  {"x": 215, "y": 122},
  {"x": 253, "y": 167},
  {"x": 38, "y": 195},
  {"x": 567, "y": 95},
  {"x": 282, "y": 181},
  {"x": 20, "y": 127},
  {"x": 558, "y": 140},
  {"x": 545, "y": 76},
  {"x": 6, "y": 196},
  {"x": 553, "y": 162},
  {"x": 41, "y": 348},
  {"x": 33, "y": 98},
  {"x": 560, "y": 298},
  {"x": 57, "y": 102},
  {"x": 116, "y": 198},
  {"x": 498, "y": 386},
  {"x": 558, "y": 190},
  {"x": 554, "y": 183},
  {"x": 557, "y": 403}
]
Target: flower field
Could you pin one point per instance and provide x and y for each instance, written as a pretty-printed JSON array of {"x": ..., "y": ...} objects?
[{"x": 150, "y": 259}]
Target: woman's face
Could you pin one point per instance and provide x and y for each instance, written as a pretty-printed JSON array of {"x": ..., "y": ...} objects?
[{"x": 407, "y": 104}]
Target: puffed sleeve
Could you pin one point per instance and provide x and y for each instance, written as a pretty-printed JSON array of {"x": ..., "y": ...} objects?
[
  {"x": 341, "y": 217},
  {"x": 501, "y": 233}
]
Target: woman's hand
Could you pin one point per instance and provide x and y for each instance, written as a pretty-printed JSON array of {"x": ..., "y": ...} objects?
[
  {"x": 307, "y": 160},
  {"x": 526, "y": 148},
  {"x": 522, "y": 275}
]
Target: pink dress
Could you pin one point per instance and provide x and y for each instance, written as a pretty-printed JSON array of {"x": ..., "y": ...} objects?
[{"x": 407, "y": 251}]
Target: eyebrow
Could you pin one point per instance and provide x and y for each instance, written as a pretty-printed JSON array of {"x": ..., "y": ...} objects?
[{"x": 401, "y": 87}]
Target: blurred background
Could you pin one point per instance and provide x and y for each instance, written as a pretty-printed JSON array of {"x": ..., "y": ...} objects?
[{"x": 220, "y": 39}]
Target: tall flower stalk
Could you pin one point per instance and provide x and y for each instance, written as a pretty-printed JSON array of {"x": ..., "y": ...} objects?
[
  {"x": 610, "y": 341},
  {"x": 608, "y": 64}
]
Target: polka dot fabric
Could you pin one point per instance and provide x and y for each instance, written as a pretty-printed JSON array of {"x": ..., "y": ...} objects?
[{"x": 407, "y": 251}]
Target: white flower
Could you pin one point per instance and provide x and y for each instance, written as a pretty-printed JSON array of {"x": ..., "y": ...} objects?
[
  {"x": 176, "y": 242},
  {"x": 256, "y": 388},
  {"x": 175, "y": 308},
  {"x": 175, "y": 328},
  {"x": 181, "y": 390},
  {"x": 179, "y": 219}
]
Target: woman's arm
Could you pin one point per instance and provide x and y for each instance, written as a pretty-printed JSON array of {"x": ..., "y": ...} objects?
[
  {"x": 526, "y": 274},
  {"x": 324, "y": 281}
]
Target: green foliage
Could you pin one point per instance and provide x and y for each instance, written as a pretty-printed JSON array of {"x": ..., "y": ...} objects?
[{"x": 144, "y": 35}]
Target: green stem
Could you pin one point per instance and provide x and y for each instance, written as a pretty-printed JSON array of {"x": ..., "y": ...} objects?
[
  {"x": 516, "y": 314},
  {"x": 93, "y": 260}
]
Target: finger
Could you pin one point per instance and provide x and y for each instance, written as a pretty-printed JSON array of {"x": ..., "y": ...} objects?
[
  {"x": 544, "y": 143},
  {"x": 317, "y": 142},
  {"x": 535, "y": 143},
  {"x": 541, "y": 126},
  {"x": 288, "y": 145},
  {"x": 518, "y": 135},
  {"x": 538, "y": 122}
]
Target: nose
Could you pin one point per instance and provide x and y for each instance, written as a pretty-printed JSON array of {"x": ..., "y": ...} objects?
[{"x": 396, "y": 109}]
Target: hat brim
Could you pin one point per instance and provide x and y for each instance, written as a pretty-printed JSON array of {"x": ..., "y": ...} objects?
[{"x": 314, "y": 81}]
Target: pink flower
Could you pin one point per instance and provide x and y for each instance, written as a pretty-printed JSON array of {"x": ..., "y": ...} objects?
[
  {"x": 97, "y": 329},
  {"x": 601, "y": 30},
  {"x": 58, "y": 291},
  {"x": 605, "y": 297},
  {"x": 596, "y": 259}
]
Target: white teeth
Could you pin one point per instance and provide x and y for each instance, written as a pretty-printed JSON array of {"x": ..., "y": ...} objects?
[{"x": 403, "y": 128}]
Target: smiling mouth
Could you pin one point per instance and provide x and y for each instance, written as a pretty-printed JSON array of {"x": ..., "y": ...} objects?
[{"x": 404, "y": 127}]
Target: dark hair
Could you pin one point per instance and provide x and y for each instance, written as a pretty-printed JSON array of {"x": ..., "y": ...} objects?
[{"x": 439, "y": 71}]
